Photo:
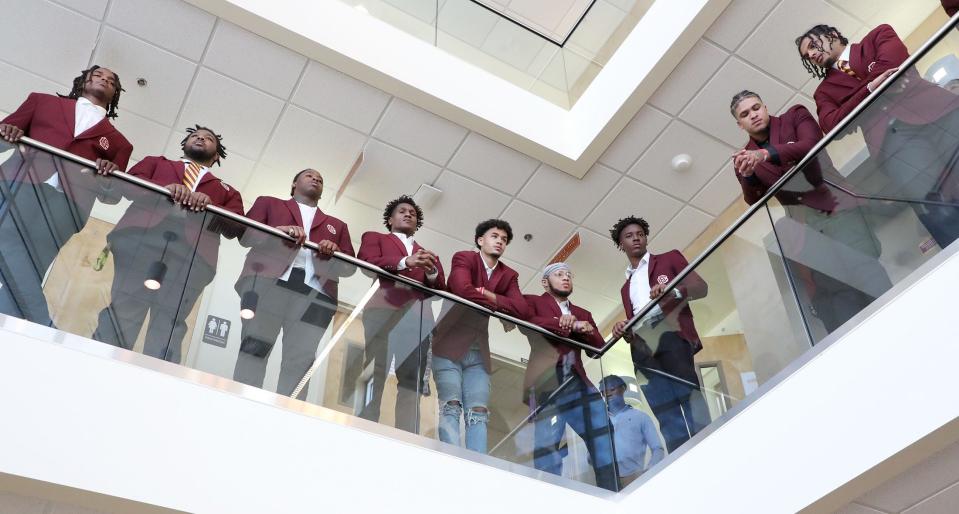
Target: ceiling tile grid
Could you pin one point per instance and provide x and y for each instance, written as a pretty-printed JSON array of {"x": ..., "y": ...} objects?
[{"x": 280, "y": 112}]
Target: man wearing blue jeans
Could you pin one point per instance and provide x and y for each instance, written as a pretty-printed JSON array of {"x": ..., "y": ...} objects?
[{"x": 461, "y": 356}]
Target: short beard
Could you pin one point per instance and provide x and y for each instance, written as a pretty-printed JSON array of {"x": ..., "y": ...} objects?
[
  {"x": 560, "y": 294},
  {"x": 198, "y": 155}
]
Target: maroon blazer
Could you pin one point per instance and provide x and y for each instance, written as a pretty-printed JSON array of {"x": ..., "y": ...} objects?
[
  {"x": 791, "y": 137},
  {"x": 52, "y": 119},
  {"x": 544, "y": 354},
  {"x": 462, "y": 326},
  {"x": 666, "y": 266},
  {"x": 273, "y": 255},
  {"x": 951, "y": 6},
  {"x": 385, "y": 251},
  {"x": 163, "y": 172},
  {"x": 921, "y": 103}
]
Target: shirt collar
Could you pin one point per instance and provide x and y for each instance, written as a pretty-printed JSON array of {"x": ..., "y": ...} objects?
[
  {"x": 87, "y": 104},
  {"x": 403, "y": 237},
  {"x": 843, "y": 57},
  {"x": 564, "y": 303},
  {"x": 188, "y": 161},
  {"x": 489, "y": 270},
  {"x": 630, "y": 269}
]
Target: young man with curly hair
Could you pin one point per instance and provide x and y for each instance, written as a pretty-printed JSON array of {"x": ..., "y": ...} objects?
[
  {"x": 663, "y": 343},
  {"x": 461, "y": 354},
  {"x": 394, "y": 314}
]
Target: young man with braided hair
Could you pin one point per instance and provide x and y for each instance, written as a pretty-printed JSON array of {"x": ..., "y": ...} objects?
[
  {"x": 48, "y": 204},
  {"x": 395, "y": 326},
  {"x": 164, "y": 256},
  {"x": 663, "y": 343},
  {"x": 912, "y": 131}
]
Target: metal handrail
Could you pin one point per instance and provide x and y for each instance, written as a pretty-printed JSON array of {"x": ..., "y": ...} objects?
[
  {"x": 309, "y": 244},
  {"x": 775, "y": 188}
]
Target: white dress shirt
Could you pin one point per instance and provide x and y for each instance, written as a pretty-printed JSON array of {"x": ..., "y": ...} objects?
[
  {"x": 569, "y": 358},
  {"x": 844, "y": 56},
  {"x": 203, "y": 171},
  {"x": 408, "y": 244},
  {"x": 304, "y": 256},
  {"x": 489, "y": 270},
  {"x": 639, "y": 288},
  {"x": 86, "y": 115}
]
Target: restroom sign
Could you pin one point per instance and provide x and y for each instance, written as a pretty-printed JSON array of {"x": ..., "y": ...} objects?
[{"x": 216, "y": 331}]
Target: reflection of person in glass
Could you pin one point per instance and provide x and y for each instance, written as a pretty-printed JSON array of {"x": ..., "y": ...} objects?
[
  {"x": 829, "y": 247},
  {"x": 32, "y": 235},
  {"x": 557, "y": 388},
  {"x": 663, "y": 343},
  {"x": 284, "y": 286},
  {"x": 911, "y": 131},
  {"x": 633, "y": 433},
  {"x": 163, "y": 256},
  {"x": 384, "y": 315},
  {"x": 461, "y": 352}
]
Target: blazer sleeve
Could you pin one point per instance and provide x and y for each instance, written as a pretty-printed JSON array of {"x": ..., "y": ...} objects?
[
  {"x": 693, "y": 286},
  {"x": 229, "y": 228},
  {"x": 259, "y": 212},
  {"x": 512, "y": 302},
  {"x": 891, "y": 52},
  {"x": 122, "y": 159},
  {"x": 440, "y": 281},
  {"x": 808, "y": 134},
  {"x": 345, "y": 243},
  {"x": 460, "y": 281},
  {"x": 544, "y": 320},
  {"x": 831, "y": 112},
  {"x": 595, "y": 339},
  {"x": 23, "y": 116},
  {"x": 752, "y": 192},
  {"x": 145, "y": 169},
  {"x": 372, "y": 252}
]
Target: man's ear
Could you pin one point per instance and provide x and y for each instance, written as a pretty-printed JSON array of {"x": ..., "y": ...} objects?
[{"x": 545, "y": 283}]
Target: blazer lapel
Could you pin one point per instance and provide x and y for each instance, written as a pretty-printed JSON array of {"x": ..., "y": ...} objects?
[
  {"x": 295, "y": 211},
  {"x": 627, "y": 303},
  {"x": 399, "y": 244},
  {"x": 495, "y": 277},
  {"x": 775, "y": 130},
  {"x": 653, "y": 260},
  {"x": 68, "y": 107},
  {"x": 318, "y": 220},
  {"x": 554, "y": 307}
]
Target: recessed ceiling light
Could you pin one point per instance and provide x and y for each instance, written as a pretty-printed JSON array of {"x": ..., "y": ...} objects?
[{"x": 682, "y": 162}]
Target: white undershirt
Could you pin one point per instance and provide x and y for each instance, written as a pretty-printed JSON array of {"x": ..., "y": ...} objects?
[
  {"x": 86, "y": 115},
  {"x": 639, "y": 287},
  {"x": 304, "y": 256},
  {"x": 408, "y": 244}
]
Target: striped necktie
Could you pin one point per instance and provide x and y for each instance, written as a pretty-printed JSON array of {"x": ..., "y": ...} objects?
[
  {"x": 191, "y": 174},
  {"x": 845, "y": 68}
]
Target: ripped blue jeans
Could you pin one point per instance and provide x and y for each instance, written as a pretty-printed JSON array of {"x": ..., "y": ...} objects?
[{"x": 463, "y": 384}]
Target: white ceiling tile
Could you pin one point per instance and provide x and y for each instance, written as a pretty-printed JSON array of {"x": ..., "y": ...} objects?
[
  {"x": 419, "y": 132},
  {"x": 359, "y": 217},
  {"x": 546, "y": 13},
  {"x": 387, "y": 173},
  {"x": 709, "y": 111},
  {"x": 737, "y": 21},
  {"x": 549, "y": 233},
  {"x": 168, "y": 76},
  {"x": 942, "y": 502},
  {"x": 655, "y": 166},
  {"x": 719, "y": 193},
  {"x": 213, "y": 102},
  {"x": 268, "y": 181},
  {"x": 440, "y": 244},
  {"x": 809, "y": 88},
  {"x": 92, "y": 8},
  {"x": 466, "y": 21},
  {"x": 598, "y": 265},
  {"x": 152, "y": 20},
  {"x": 424, "y": 10},
  {"x": 594, "y": 32},
  {"x": 463, "y": 205},
  {"x": 565, "y": 195},
  {"x": 66, "y": 37},
  {"x": 855, "y": 508},
  {"x": 686, "y": 79},
  {"x": 330, "y": 148},
  {"x": 635, "y": 138},
  {"x": 17, "y": 84},
  {"x": 340, "y": 97},
  {"x": 799, "y": 99},
  {"x": 232, "y": 49},
  {"x": 776, "y": 35},
  {"x": 525, "y": 272},
  {"x": 680, "y": 232},
  {"x": 148, "y": 137},
  {"x": 493, "y": 164},
  {"x": 629, "y": 197}
]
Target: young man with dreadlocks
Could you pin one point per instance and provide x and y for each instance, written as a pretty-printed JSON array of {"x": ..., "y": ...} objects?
[
  {"x": 78, "y": 123},
  {"x": 912, "y": 131},
  {"x": 831, "y": 250},
  {"x": 165, "y": 254},
  {"x": 664, "y": 341},
  {"x": 394, "y": 324},
  {"x": 288, "y": 287}
]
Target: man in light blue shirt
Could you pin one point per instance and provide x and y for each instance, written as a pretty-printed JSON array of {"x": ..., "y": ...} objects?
[{"x": 633, "y": 432}]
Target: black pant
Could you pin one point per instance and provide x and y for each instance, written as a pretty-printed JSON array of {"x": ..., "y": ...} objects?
[
  {"x": 302, "y": 313},
  {"x": 410, "y": 352},
  {"x": 187, "y": 274},
  {"x": 673, "y": 389}
]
